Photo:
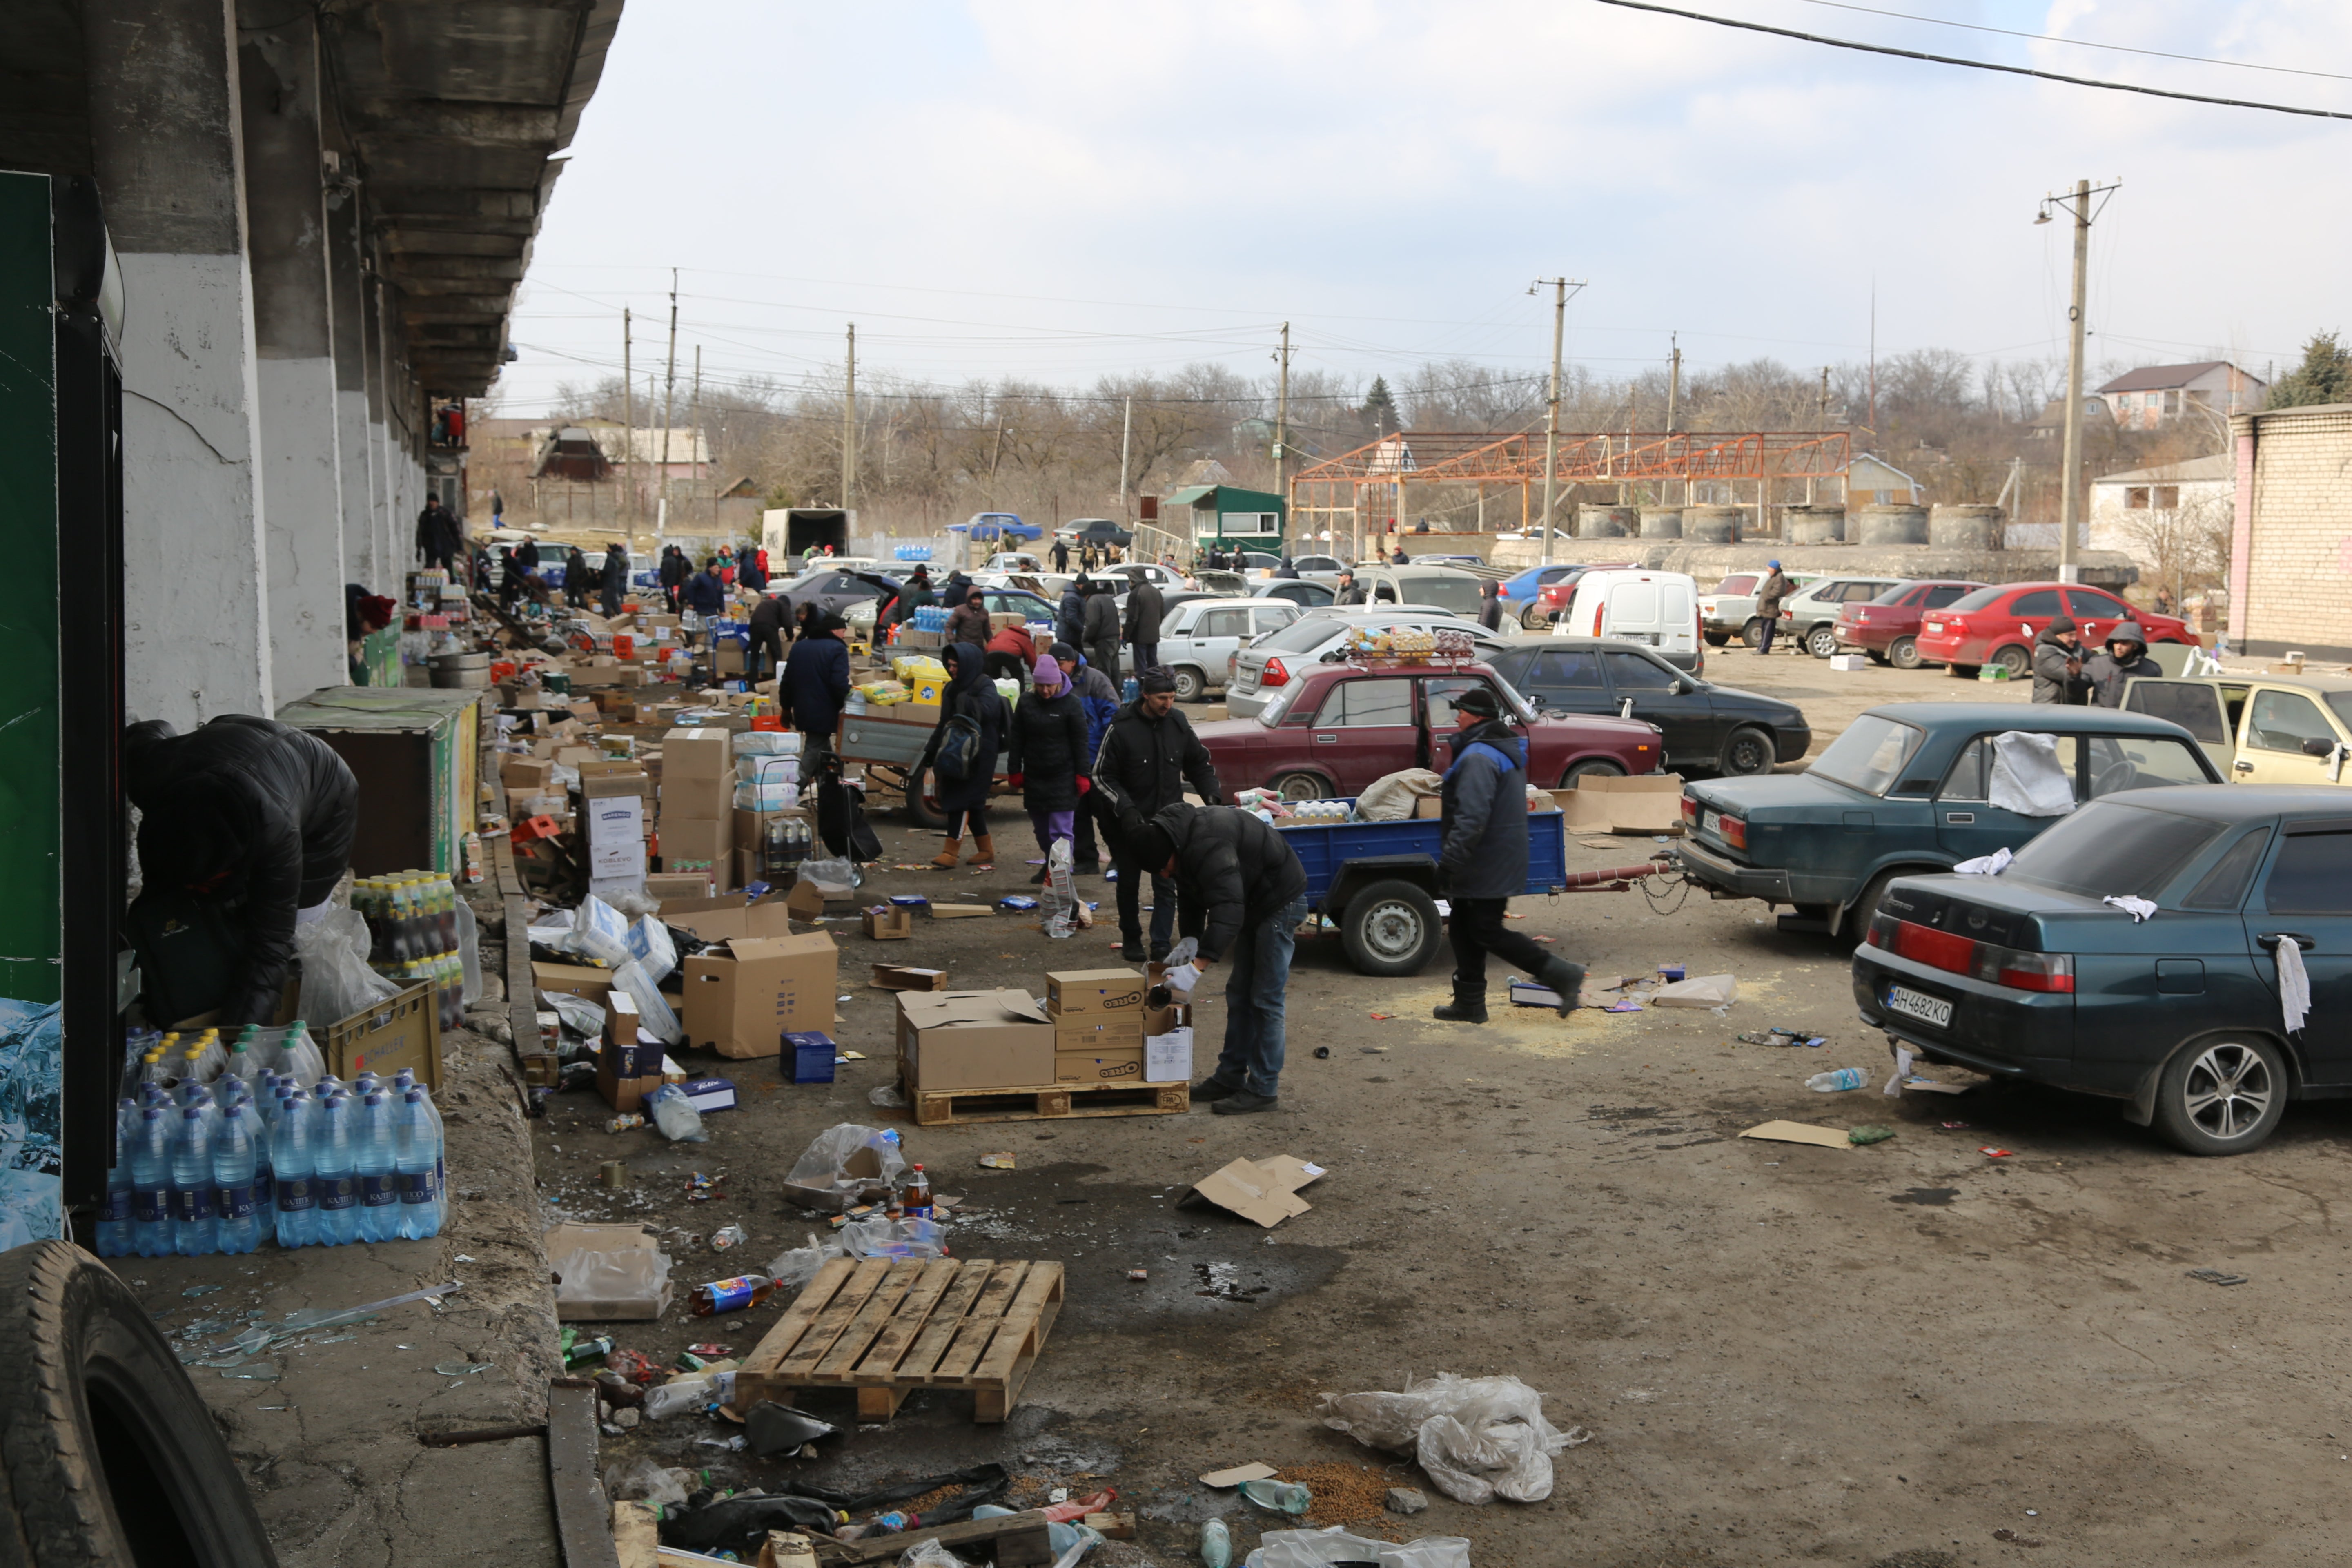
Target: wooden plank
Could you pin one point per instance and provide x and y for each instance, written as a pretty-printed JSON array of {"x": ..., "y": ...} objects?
[
  {"x": 855, "y": 1340},
  {"x": 1023, "y": 1332},
  {"x": 907, "y": 1322},
  {"x": 777, "y": 1342},
  {"x": 1056, "y": 1103},
  {"x": 868, "y": 1274},
  {"x": 583, "y": 1525},
  {"x": 1016, "y": 1539},
  {"x": 987, "y": 1315},
  {"x": 932, "y": 1343}
]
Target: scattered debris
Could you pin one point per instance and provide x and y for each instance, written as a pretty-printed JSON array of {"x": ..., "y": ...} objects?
[
  {"x": 1236, "y": 1475},
  {"x": 1406, "y": 1499},
  {"x": 1004, "y": 1161},
  {"x": 2016, "y": 1539},
  {"x": 1799, "y": 1132},
  {"x": 2219, "y": 1276},
  {"x": 1988, "y": 1151},
  {"x": 1478, "y": 1438},
  {"x": 1869, "y": 1134}
]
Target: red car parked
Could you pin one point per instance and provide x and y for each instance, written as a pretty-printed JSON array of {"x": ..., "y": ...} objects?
[
  {"x": 1336, "y": 728},
  {"x": 1998, "y": 625},
  {"x": 1887, "y": 628}
]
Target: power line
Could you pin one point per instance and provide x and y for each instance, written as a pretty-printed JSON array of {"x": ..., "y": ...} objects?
[
  {"x": 1973, "y": 64},
  {"x": 2078, "y": 43}
]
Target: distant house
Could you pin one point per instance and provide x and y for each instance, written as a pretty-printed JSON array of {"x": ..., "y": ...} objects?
[
  {"x": 2156, "y": 393},
  {"x": 2050, "y": 425},
  {"x": 1871, "y": 480},
  {"x": 2124, "y": 505}
]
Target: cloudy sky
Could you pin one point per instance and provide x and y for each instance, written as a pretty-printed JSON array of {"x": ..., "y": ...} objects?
[{"x": 1058, "y": 191}]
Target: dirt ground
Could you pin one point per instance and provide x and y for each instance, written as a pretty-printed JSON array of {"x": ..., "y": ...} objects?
[{"x": 1880, "y": 1355}]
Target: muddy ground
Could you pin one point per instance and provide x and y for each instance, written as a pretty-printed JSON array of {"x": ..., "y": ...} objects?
[{"x": 1879, "y": 1355}]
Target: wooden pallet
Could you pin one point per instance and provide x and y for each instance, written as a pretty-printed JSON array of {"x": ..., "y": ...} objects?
[
  {"x": 1050, "y": 1102},
  {"x": 887, "y": 1327}
]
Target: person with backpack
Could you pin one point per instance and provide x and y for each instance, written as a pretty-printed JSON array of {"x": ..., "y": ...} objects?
[{"x": 962, "y": 753}]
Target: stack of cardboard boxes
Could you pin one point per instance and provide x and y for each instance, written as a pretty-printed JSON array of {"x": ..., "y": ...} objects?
[
  {"x": 972, "y": 1042},
  {"x": 616, "y": 803},
  {"x": 757, "y": 982},
  {"x": 1097, "y": 1017},
  {"x": 698, "y": 805}
]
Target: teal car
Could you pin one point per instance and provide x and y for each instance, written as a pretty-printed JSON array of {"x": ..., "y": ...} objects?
[{"x": 1908, "y": 789}]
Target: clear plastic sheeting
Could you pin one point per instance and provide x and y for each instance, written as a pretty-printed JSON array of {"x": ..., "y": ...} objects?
[
  {"x": 2027, "y": 776},
  {"x": 1478, "y": 1437},
  {"x": 636, "y": 1275},
  {"x": 826, "y": 1162},
  {"x": 336, "y": 979},
  {"x": 795, "y": 1267},
  {"x": 655, "y": 1015},
  {"x": 1313, "y": 1548},
  {"x": 893, "y": 1238}
]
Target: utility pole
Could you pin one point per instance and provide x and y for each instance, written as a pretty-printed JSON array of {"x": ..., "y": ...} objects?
[
  {"x": 669, "y": 397},
  {"x": 1559, "y": 287},
  {"x": 2070, "y": 483},
  {"x": 1126, "y": 436},
  {"x": 628, "y": 436},
  {"x": 1282, "y": 420},
  {"x": 694, "y": 439},
  {"x": 1674, "y": 379},
  {"x": 849, "y": 427},
  {"x": 1820, "y": 421}
]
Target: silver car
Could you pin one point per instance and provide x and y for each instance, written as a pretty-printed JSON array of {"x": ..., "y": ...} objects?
[
  {"x": 1255, "y": 684},
  {"x": 1199, "y": 637}
]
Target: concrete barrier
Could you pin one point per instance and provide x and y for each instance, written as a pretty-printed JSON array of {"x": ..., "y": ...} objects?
[
  {"x": 1713, "y": 524},
  {"x": 1812, "y": 524},
  {"x": 1606, "y": 522},
  {"x": 1965, "y": 528},
  {"x": 1661, "y": 523},
  {"x": 1892, "y": 525}
]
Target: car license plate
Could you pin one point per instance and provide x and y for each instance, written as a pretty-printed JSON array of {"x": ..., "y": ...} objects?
[
  {"x": 1711, "y": 822},
  {"x": 1935, "y": 626},
  {"x": 1920, "y": 1006}
]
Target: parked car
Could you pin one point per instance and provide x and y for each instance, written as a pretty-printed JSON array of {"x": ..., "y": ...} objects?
[
  {"x": 1907, "y": 789},
  {"x": 1451, "y": 588},
  {"x": 1262, "y": 670},
  {"x": 1552, "y": 598},
  {"x": 1225, "y": 585},
  {"x": 1016, "y": 560},
  {"x": 1708, "y": 728},
  {"x": 836, "y": 589},
  {"x": 1199, "y": 639},
  {"x": 2033, "y": 975},
  {"x": 1731, "y": 611},
  {"x": 1809, "y": 617},
  {"x": 1635, "y": 604},
  {"x": 1998, "y": 625},
  {"x": 1336, "y": 728},
  {"x": 1140, "y": 571},
  {"x": 1318, "y": 566},
  {"x": 1887, "y": 628},
  {"x": 2262, "y": 728},
  {"x": 1518, "y": 592},
  {"x": 1307, "y": 594}
]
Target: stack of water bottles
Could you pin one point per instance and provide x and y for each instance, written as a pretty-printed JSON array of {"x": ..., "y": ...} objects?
[
  {"x": 930, "y": 619},
  {"x": 412, "y": 920},
  {"x": 217, "y": 1148}
]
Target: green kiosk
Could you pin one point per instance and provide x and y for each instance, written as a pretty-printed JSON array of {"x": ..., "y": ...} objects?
[{"x": 1228, "y": 517}]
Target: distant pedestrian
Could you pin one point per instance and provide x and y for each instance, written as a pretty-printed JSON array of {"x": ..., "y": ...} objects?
[
  {"x": 1061, "y": 556},
  {"x": 1490, "y": 605},
  {"x": 1350, "y": 591},
  {"x": 1100, "y": 700},
  {"x": 1145, "y": 611},
  {"x": 1768, "y": 594},
  {"x": 768, "y": 621},
  {"x": 674, "y": 570},
  {"x": 615, "y": 582},
  {"x": 815, "y": 684},
  {"x": 577, "y": 575},
  {"x": 1100, "y": 626},
  {"x": 705, "y": 592},
  {"x": 1047, "y": 757},
  {"x": 1146, "y": 758},
  {"x": 1399, "y": 558},
  {"x": 969, "y": 621}
]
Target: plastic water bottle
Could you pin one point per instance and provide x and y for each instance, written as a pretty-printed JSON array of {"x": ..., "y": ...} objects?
[
  {"x": 262, "y": 1124},
  {"x": 233, "y": 1181},
  {"x": 195, "y": 1230},
  {"x": 1832, "y": 1083},
  {"x": 332, "y": 1161},
  {"x": 150, "y": 1185},
  {"x": 1129, "y": 689},
  {"x": 1216, "y": 1545},
  {"x": 379, "y": 1211},
  {"x": 1283, "y": 1497},
  {"x": 416, "y": 1155},
  {"x": 114, "y": 1220},
  {"x": 440, "y": 1154},
  {"x": 296, "y": 1200}
]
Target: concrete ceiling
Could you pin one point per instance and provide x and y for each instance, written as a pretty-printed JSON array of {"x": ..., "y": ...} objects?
[{"x": 454, "y": 114}]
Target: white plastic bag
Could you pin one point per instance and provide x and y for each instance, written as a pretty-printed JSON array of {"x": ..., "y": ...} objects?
[
  {"x": 1393, "y": 798},
  {"x": 336, "y": 979},
  {"x": 795, "y": 1267},
  {"x": 653, "y": 1014},
  {"x": 1313, "y": 1548},
  {"x": 2027, "y": 776},
  {"x": 832, "y": 878},
  {"x": 650, "y": 945},
  {"x": 684, "y": 1396},
  {"x": 469, "y": 951},
  {"x": 1478, "y": 1437}
]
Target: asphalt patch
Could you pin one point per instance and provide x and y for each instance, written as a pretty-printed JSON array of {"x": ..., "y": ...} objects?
[{"x": 1927, "y": 1197}]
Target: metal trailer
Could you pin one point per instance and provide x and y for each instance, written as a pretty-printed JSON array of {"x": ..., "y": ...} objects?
[
  {"x": 889, "y": 747},
  {"x": 1378, "y": 881}
]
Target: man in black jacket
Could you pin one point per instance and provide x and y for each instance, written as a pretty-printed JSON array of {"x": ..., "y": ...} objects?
[
  {"x": 1100, "y": 626},
  {"x": 577, "y": 574},
  {"x": 1148, "y": 754},
  {"x": 1350, "y": 591},
  {"x": 616, "y": 579},
  {"x": 1144, "y": 614},
  {"x": 1484, "y": 860},
  {"x": 768, "y": 622},
  {"x": 1243, "y": 893}
]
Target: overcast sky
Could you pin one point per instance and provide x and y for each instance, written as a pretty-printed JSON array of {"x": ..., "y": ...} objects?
[{"x": 1055, "y": 191}]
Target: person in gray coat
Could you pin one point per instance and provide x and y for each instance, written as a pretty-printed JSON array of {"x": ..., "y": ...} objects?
[
  {"x": 1484, "y": 861},
  {"x": 1101, "y": 628},
  {"x": 2124, "y": 656},
  {"x": 2058, "y": 664}
]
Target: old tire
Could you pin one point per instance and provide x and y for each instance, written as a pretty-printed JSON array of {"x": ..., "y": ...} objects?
[
  {"x": 1821, "y": 641},
  {"x": 1747, "y": 750},
  {"x": 1391, "y": 929},
  {"x": 1902, "y": 653},
  {"x": 1191, "y": 686},
  {"x": 111, "y": 1458},
  {"x": 923, "y": 801},
  {"x": 1591, "y": 768},
  {"x": 2222, "y": 1096},
  {"x": 1855, "y": 921},
  {"x": 1299, "y": 786},
  {"x": 2014, "y": 658}
]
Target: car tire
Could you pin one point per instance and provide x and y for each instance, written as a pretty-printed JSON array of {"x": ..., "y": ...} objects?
[
  {"x": 1717, "y": 639},
  {"x": 111, "y": 1455},
  {"x": 1746, "y": 751},
  {"x": 1752, "y": 634},
  {"x": 2251, "y": 1077},
  {"x": 1855, "y": 921},
  {"x": 1591, "y": 768},
  {"x": 1191, "y": 686},
  {"x": 1534, "y": 619},
  {"x": 1902, "y": 653},
  {"x": 2015, "y": 659},
  {"x": 1962, "y": 672},
  {"x": 1821, "y": 641},
  {"x": 1300, "y": 787},
  {"x": 923, "y": 801},
  {"x": 1390, "y": 930}
]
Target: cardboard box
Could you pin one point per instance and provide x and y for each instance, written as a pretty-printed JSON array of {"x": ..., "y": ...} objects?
[
  {"x": 668, "y": 885},
  {"x": 1265, "y": 1191},
  {"x": 741, "y": 1000},
  {"x": 727, "y": 659},
  {"x": 697, "y": 754},
  {"x": 725, "y": 919},
  {"x": 888, "y": 922},
  {"x": 698, "y": 799},
  {"x": 1428, "y": 808},
  {"x": 973, "y": 1040},
  {"x": 1542, "y": 802},
  {"x": 1099, "y": 1031},
  {"x": 809, "y": 1056},
  {"x": 1071, "y": 992},
  {"x": 698, "y": 842},
  {"x": 625, "y": 1074},
  {"x": 585, "y": 981},
  {"x": 1644, "y": 802},
  {"x": 1109, "y": 1064},
  {"x": 746, "y": 866},
  {"x": 623, "y": 1023},
  {"x": 572, "y": 1306},
  {"x": 526, "y": 775},
  {"x": 616, "y": 840},
  {"x": 1160, "y": 1020},
  {"x": 618, "y": 785},
  {"x": 901, "y": 978}
]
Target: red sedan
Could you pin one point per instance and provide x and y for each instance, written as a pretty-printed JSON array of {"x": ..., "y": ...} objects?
[
  {"x": 1998, "y": 625},
  {"x": 1336, "y": 728},
  {"x": 1887, "y": 628}
]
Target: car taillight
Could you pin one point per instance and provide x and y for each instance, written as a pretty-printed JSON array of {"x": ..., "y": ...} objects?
[
  {"x": 1690, "y": 809},
  {"x": 1598, "y": 610},
  {"x": 1274, "y": 674},
  {"x": 1996, "y": 965},
  {"x": 1733, "y": 831}
]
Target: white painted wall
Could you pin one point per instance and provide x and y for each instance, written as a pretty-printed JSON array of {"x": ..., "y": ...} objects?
[
  {"x": 363, "y": 559},
  {"x": 303, "y": 529}
]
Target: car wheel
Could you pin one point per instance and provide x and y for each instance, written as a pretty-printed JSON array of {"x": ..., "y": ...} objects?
[
  {"x": 1822, "y": 642},
  {"x": 1752, "y": 634},
  {"x": 1593, "y": 768},
  {"x": 2014, "y": 659},
  {"x": 1191, "y": 685},
  {"x": 922, "y": 797},
  {"x": 1873, "y": 656},
  {"x": 1749, "y": 751},
  {"x": 111, "y": 1455},
  {"x": 1716, "y": 639},
  {"x": 1390, "y": 929},
  {"x": 1534, "y": 619},
  {"x": 1858, "y": 914},
  {"x": 1902, "y": 653},
  {"x": 1962, "y": 672},
  {"x": 1300, "y": 787},
  {"x": 2222, "y": 1096}
]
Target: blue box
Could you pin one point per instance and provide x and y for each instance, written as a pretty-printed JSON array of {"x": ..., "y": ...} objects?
[
  {"x": 709, "y": 1094},
  {"x": 811, "y": 1055}
]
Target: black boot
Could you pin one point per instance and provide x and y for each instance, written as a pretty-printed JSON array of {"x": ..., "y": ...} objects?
[
  {"x": 1565, "y": 978},
  {"x": 1468, "y": 1006}
]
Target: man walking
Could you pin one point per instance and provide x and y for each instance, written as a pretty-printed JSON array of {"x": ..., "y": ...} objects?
[
  {"x": 1145, "y": 611},
  {"x": 1484, "y": 830},
  {"x": 2058, "y": 664},
  {"x": 1148, "y": 754},
  {"x": 616, "y": 579},
  {"x": 1061, "y": 556},
  {"x": 1241, "y": 894},
  {"x": 1101, "y": 628},
  {"x": 1768, "y": 594},
  {"x": 815, "y": 687}
]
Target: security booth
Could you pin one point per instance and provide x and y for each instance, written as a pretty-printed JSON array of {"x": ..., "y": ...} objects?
[{"x": 1228, "y": 517}]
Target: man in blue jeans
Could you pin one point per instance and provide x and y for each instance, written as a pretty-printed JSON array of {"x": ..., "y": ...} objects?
[{"x": 1241, "y": 894}]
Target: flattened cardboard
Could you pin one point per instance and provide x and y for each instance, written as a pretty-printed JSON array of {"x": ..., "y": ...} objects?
[
  {"x": 1239, "y": 1474},
  {"x": 1638, "y": 803},
  {"x": 741, "y": 1001},
  {"x": 1264, "y": 1192},
  {"x": 1072, "y": 992},
  {"x": 1799, "y": 1132},
  {"x": 960, "y": 911}
]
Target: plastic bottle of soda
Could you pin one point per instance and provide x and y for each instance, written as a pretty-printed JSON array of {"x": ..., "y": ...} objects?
[
  {"x": 917, "y": 1195},
  {"x": 732, "y": 1295},
  {"x": 445, "y": 893}
]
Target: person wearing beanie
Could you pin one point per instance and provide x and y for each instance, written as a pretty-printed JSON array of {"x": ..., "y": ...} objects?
[
  {"x": 1482, "y": 828},
  {"x": 1147, "y": 757},
  {"x": 1047, "y": 756},
  {"x": 1099, "y": 699},
  {"x": 2058, "y": 664},
  {"x": 970, "y": 695},
  {"x": 815, "y": 687},
  {"x": 1768, "y": 594}
]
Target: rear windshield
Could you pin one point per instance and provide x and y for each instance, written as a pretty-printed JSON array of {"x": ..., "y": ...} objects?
[
  {"x": 1894, "y": 595},
  {"x": 1870, "y": 755},
  {"x": 1457, "y": 592},
  {"x": 1303, "y": 637},
  {"x": 1738, "y": 583},
  {"x": 2109, "y": 849},
  {"x": 1975, "y": 601}
]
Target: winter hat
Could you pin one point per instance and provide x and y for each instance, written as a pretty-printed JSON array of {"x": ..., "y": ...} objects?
[
  {"x": 1064, "y": 650},
  {"x": 1480, "y": 700},
  {"x": 1156, "y": 678},
  {"x": 2062, "y": 624},
  {"x": 1047, "y": 674},
  {"x": 2128, "y": 631}
]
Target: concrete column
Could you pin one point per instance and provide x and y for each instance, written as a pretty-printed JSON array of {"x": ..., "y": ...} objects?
[
  {"x": 278, "y": 71},
  {"x": 391, "y": 547},
  {"x": 167, "y": 149},
  {"x": 364, "y": 560}
]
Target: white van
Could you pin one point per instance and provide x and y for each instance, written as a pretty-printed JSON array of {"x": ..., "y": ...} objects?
[{"x": 1658, "y": 609}]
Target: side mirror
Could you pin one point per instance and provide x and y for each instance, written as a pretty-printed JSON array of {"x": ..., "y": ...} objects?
[
  {"x": 2318, "y": 747},
  {"x": 1685, "y": 686}
]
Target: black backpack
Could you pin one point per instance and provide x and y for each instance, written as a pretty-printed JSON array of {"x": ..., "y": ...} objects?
[{"x": 959, "y": 750}]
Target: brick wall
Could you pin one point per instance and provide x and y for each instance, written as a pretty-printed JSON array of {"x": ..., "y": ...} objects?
[{"x": 2291, "y": 576}]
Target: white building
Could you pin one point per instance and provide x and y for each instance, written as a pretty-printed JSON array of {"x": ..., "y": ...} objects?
[
  {"x": 2158, "y": 393},
  {"x": 2128, "y": 509}
]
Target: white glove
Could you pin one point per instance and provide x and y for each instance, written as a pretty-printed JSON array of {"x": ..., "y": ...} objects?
[
  {"x": 1182, "y": 978},
  {"x": 1182, "y": 952}
]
